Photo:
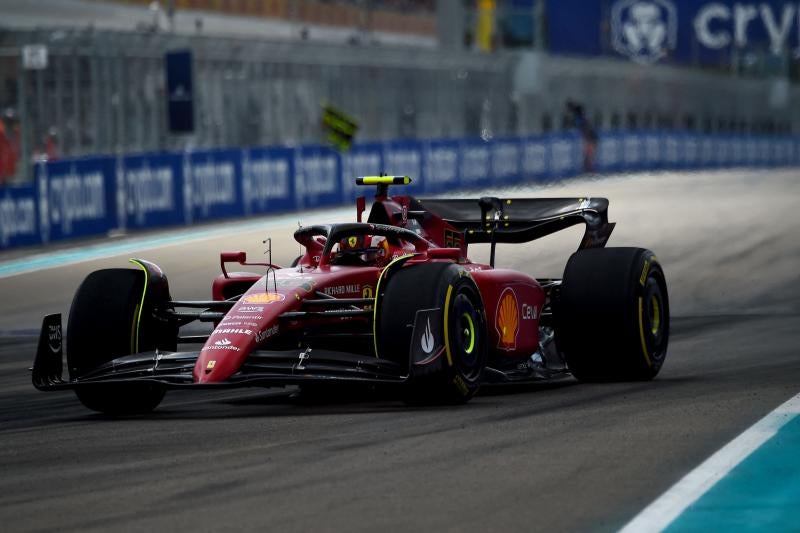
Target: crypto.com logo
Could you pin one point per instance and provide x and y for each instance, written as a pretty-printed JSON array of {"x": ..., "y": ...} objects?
[{"x": 644, "y": 30}]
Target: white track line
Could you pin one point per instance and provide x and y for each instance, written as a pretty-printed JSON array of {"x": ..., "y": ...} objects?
[{"x": 669, "y": 506}]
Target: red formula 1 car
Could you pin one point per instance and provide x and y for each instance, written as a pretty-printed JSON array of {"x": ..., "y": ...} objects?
[{"x": 391, "y": 301}]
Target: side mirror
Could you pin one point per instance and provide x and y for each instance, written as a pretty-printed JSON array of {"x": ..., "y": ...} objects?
[{"x": 231, "y": 257}]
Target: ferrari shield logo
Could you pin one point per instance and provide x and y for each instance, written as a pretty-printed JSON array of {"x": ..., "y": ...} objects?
[{"x": 352, "y": 241}]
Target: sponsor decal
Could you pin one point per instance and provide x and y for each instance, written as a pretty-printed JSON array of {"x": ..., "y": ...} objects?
[
  {"x": 149, "y": 190},
  {"x": 76, "y": 197},
  {"x": 426, "y": 340},
  {"x": 54, "y": 337},
  {"x": 367, "y": 292},
  {"x": 534, "y": 157},
  {"x": 529, "y": 312},
  {"x": 562, "y": 155},
  {"x": 230, "y": 348},
  {"x": 230, "y": 331},
  {"x": 210, "y": 365},
  {"x": 507, "y": 320},
  {"x": 263, "y": 298},
  {"x": 410, "y": 160},
  {"x": 250, "y": 309},
  {"x": 505, "y": 159},
  {"x": 213, "y": 183},
  {"x": 475, "y": 163},
  {"x": 17, "y": 218},
  {"x": 458, "y": 381},
  {"x": 644, "y": 30},
  {"x": 356, "y": 163},
  {"x": 261, "y": 336},
  {"x": 315, "y": 175},
  {"x": 246, "y": 317},
  {"x": 266, "y": 179},
  {"x": 222, "y": 342},
  {"x": 442, "y": 162},
  {"x": 336, "y": 290},
  {"x": 226, "y": 322},
  {"x": 645, "y": 271}
]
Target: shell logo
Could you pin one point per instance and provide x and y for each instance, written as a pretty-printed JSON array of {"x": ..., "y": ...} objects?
[
  {"x": 507, "y": 320},
  {"x": 264, "y": 298}
]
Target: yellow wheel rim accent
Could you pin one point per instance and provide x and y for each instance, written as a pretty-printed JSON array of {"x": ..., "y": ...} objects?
[
  {"x": 446, "y": 325},
  {"x": 471, "y": 328},
  {"x": 656, "y": 315}
]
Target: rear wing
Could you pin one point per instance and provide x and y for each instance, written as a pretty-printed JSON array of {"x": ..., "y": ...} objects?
[{"x": 518, "y": 220}]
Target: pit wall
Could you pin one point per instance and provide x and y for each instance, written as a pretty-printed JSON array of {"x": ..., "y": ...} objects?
[{"x": 95, "y": 196}]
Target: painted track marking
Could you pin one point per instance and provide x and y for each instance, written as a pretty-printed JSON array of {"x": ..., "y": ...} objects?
[{"x": 670, "y": 505}]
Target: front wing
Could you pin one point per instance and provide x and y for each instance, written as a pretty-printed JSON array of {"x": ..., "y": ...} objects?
[{"x": 174, "y": 369}]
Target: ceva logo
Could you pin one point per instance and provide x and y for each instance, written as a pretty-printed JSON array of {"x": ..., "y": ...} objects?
[{"x": 644, "y": 30}]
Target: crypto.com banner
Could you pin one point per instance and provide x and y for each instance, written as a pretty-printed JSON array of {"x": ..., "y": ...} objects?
[
  {"x": 92, "y": 196},
  {"x": 685, "y": 31}
]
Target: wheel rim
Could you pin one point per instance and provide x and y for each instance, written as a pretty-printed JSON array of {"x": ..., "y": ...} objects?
[
  {"x": 656, "y": 319},
  {"x": 655, "y": 315},
  {"x": 465, "y": 336},
  {"x": 468, "y": 332}
]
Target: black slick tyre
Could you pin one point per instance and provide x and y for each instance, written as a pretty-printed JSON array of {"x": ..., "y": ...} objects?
[
  {"x": 455, "y": 326},
  {"x": 612, "y": 315},
  {"x": 102, "y": 325}
]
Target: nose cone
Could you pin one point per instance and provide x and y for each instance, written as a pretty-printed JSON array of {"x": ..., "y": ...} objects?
[
  {"x": 235, "y": 338},
  {"x": 223, "y": 353}
]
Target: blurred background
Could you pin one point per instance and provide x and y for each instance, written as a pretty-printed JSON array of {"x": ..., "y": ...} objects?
[{"x": 83, "y": 78}]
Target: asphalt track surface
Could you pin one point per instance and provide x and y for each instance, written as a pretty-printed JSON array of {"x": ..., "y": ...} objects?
[{"x": 557, "y": 457}]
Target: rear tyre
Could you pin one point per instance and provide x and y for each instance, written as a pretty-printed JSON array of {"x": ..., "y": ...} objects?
[
  {"x": 459, "y": 319},
  {"x": 612, "y": 315},
  {"x": 102, "y": 327}
]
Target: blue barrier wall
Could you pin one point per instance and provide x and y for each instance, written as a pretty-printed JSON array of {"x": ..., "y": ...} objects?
[{"x": 95, "y": 195}]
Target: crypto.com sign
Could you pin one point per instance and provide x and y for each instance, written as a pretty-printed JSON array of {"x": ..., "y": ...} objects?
[
  {"x": 648, "y": 30},
  {"x": 718, "y": 25}
]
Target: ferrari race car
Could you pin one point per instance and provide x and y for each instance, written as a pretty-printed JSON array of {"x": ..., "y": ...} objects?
[{"x": 390, "y": 302}]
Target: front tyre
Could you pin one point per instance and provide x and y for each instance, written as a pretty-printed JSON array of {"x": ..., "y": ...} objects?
[
  {"x": 612, "y": 315},
  {"x": 430, "y": 317},
  {"x": 103, "y": 324}
]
